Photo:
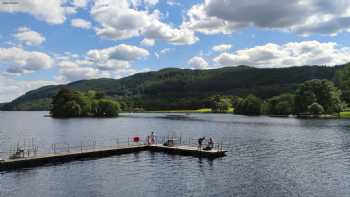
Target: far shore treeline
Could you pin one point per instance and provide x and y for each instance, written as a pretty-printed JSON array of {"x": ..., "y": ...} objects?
[{"x": 307, "y": 90}]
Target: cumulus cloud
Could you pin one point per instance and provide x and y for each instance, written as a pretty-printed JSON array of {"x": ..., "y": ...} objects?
[
  {"x": 80, "y": 23},
  {"x": 300, "y": 16},
  {"x": 121, "y": 52},
  {"x": 198, "y": 63},
  {"x": 107, "y": 62},
  {"x": 20, "y": 61},
  {"x": 221, "y": 47},
  {"x": 290, "y": 54},
  {"x": 80, "y": 3},
  {"x": 51, "y": 11},
  {"x": 122, "y": 19},
  {"x": 148, "y": 42},
  {"x": 74, "y": 74},
  {"x": 11, "y": 88},
  {"x": 29, "y": 37}
]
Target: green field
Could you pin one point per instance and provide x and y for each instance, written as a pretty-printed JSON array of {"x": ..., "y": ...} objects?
[{"x": 344, "y": 114}]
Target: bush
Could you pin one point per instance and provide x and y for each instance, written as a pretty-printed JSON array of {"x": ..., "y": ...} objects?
[{"x": 315, "y": 108}]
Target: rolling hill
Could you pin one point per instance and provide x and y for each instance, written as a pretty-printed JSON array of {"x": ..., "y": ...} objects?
[{"x": 174, "y": 88}]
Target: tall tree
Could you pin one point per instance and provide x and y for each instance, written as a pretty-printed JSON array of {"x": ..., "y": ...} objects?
[
  {"x": 251, "y": 105},
  {"x": 322, "y": 92},
  {"x": 281, "y": 105}
]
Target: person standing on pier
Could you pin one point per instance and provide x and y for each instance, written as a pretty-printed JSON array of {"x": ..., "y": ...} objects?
[
  {"x": 153, "y": 138},
  {"x": 210, "y": 143},
  {"x": 200, "y": 141}
]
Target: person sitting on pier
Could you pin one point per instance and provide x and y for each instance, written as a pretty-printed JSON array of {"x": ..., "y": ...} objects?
[
  {"x": 210, "y": 144},
  {"x": 200, "y": 141}
]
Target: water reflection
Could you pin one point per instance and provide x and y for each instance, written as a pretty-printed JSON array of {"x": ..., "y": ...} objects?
[{"x": 268, "y": 157}]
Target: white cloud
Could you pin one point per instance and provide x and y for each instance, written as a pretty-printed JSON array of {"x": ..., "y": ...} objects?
[
  {"x": 80, "y": 3},
  {"x": 51, "y": 11},
  {"x": 68, "y": 74},
  {"x": 147, "y": 42},
  {"x": 198, "y": 63},
  {"x": 290, "y": 54},
  {"x": 108, "y": 62},
  {"x": 150, "y": 2},
  {"x": 80, "y": 23},
  {"x": 122, "y": 20},
  {"x": 221, "y": 47},
  {"x": 20, "y": 61},
  {"x": 300, "y": 16},
  {"x": 29, "y": 37},
  {"x": 173, "y": 2},
  {"x": 162, "y": 52},
  {"x": 11, "y": 88},
  {"x": 121, "y": 52}
]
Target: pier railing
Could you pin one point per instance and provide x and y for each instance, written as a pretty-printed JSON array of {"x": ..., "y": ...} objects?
[{"x": 33, "y": 149}]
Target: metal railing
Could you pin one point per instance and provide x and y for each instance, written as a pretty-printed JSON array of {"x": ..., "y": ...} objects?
[{"x": 33, "y": 149}]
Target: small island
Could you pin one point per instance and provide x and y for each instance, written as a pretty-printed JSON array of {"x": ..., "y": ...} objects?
[{"x": 68, "y": 103}]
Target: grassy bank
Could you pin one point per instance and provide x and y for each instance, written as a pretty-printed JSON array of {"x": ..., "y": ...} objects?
[{"x": 344, "y": 114}]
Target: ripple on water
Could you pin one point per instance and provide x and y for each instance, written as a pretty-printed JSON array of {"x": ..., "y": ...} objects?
[{"x": 268, "y": 157}]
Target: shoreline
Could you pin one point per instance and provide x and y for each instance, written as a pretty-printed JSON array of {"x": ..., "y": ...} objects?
[{"x": 341, "y": 115}]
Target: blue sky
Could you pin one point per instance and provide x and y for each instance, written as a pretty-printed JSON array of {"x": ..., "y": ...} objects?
[{"x": 59, "y": 41}]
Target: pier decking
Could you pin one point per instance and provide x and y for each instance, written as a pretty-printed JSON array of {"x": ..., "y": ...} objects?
[{"x": 40, "y": 160}]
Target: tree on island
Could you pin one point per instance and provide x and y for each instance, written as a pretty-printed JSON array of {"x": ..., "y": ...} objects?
[
  {"x": 220, "y": 104},
  {"x": 105, "y": 108},
  {"x": 318, "y": 91},
  {"x": 251, "y": 105},
  {"x": 68, "y": 103},
  {"x": 280, "y": 105}
]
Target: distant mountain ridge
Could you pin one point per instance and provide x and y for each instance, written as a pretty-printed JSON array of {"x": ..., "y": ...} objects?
[{"x": 174, "y": 88}]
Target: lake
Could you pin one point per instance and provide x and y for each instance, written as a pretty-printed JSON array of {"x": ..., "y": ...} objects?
[{"x": 267, "y": 157}]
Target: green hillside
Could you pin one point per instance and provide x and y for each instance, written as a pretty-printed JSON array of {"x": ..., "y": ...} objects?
[{"x": 174, "y": 88}]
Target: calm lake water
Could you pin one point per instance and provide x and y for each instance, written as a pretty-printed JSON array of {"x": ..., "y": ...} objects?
[{"x": 267, "y": 157}]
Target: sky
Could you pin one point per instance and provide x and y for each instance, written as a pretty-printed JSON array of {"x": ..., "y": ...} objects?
[{"x": 46, "y": 42}]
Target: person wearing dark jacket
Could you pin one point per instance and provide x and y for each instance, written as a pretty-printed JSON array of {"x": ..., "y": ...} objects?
[{"x": 200, "y": 141}]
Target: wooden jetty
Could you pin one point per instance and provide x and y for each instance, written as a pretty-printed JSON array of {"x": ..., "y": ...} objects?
[
  {"x": 52, "y": 158},
  {"x": 188, "y": 150}
]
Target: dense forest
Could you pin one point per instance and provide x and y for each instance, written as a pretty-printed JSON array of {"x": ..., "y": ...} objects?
[{"x": 174, "y": 88}]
